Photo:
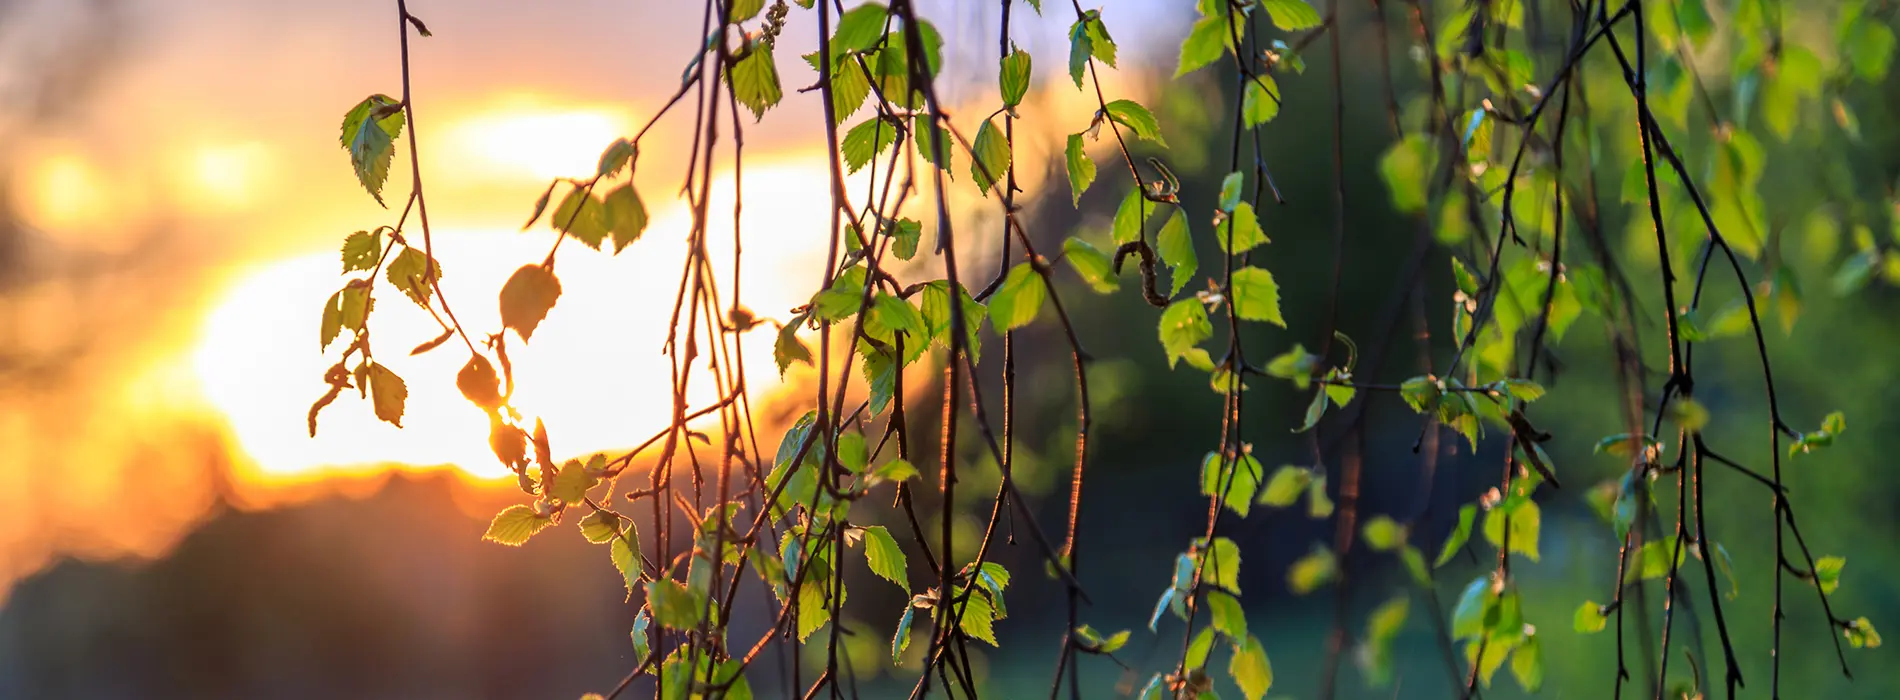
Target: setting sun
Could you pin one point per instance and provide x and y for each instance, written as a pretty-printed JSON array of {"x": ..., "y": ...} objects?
[{"x": 593, "y": 371}]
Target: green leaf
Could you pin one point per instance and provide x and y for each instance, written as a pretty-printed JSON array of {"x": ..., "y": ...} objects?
[
  {"x": 1183, "y": 325},
  {"x": 1527, "y": 665},
  {"x": 1131, "y": 216},
  {"x": 527, "y": 297},
  {"x": 885, "y": 558},
  {"x": 615, "y": 157},
  {"x": 1229, "y": 618},
  {"x": 859, "y": 28},
  {"x": 1466, "y": 515},
  {"x": 1415, "y": 565},
  {"x": 742, "y": 10},
  {"x": 1285, "y": 486},
  {"x": 1383, "y": 533},
  {"x": 673, "y": 606},
  {"x": 1467, "y": 617},
  {"x": 1100, "y": 45},
  {"x": 387, "y": 393},
  {"x": 934, "y": 143},
  {"x": 1018, "y": 300},
  {"x": 1081, "y": 47},
  {"x": 1137, "y": 118},
  {"x": 895, "y": 470},
  {"x": 361, "y": 251},
  {"x": 865, "y": 141},
  {"x": 1081, "y": 168},
  {"x": 1222, "y": 567},
  {"x": 1652, "y": 561},
  {"x": 1525, "y": 522},
  {"x": 754, "y": 79},
  {"x": 1262, "y": 101},
  {"x": 937, "y": 316},
  {"x": 1250, "y": 669},
  {"x": 1827, "y": 573},
  {"x": 1176, "y": 246},
  {"x": 624, "y": 552},
  {"x": 408, "y": 273},
  {"x": 601, "y": 527},
  {"x": 813, "y": 607},
  {"x": 1316, "y": 569},
  {"x": 1861, "y": 634},
  {"x": 1091, "y": 264},
  {"x": 788, "y": 348},
  {"x": 625, "y": 216},
  {"x": 1315, "y": 410},
  {"x": 851, "y": 451},
  {"x": 1589, "y": 618},
  {"x": 1407, "y": 170},
  {"x": 641, "y": 621},
  {"x": 1243, "y": 229},
  {"x": 991, "y": 155},
  {"x": 1014, "y": 77},
  {"x": 900, "y": 640},
  {"x": 1255, "y": 296},
  {"x": 1868, "y": 45},
  {"x": 979, "y": 618},
  {"x": 890, "y": 315},
  {"x": 582, "y": 216},
  {"x": 1199, "y": 648},
  {"x": 1234, "y": 481},
  {"x": 1204, "y": 44},
  {"x": 1292, "y": 15},
  {"x": 371, "y": 140},
  {"x": 571, "y": 482},
  {"x": 1381, "y": 628},
  {"x": 515, "y": 524},
  {"x": 1230, "y": 191},
  {"x": 880, "y": 369},
  {"x": 1318, "y": 505}
]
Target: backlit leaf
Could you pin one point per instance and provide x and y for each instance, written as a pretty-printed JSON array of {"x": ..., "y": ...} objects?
[
  {"x": 527, "y": 297},
  {"x": 1018, "y": 300},
  {"x": 515, "y": 524}
]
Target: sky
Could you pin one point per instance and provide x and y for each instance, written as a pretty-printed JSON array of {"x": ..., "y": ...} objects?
[{"x": 178, "y": 197}]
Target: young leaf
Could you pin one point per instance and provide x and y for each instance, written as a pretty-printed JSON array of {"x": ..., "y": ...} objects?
[
  {"x": 1466, "y": 515},
  {"x": 369, "y": 133},
  {"x": 1861, "y": 634},
  {"x": 515, "y": 524},
  {"x": 1468, "y": 616},
  {"x": 1827, "y": 573},
  {"x": 1262, "y": 101},
  {"x": 625, "y": 216},
  {"x": 673, "y": 605},
  {"x": 582, "y": 216},
  {"x": 1242, "y": 231},
  {"x": 991, "y": 155},
  {"x": 1204, "y": 44},
  {"x": 900, "y": 640},
  {"x": 1229, "y": 618},
  {"x": 1285, "y": 486},
  {"x": 571, "y": 482},
  {"x": 1184, "y": 325},
  {"x": 1014, "y": 77},
  {"x": 1222, "y": 567},
  {"x": 1527, "y": 665},
  {"x": 1525, "y": 522},
  {"x": 1137, "y": 118},
  {"x": 1081, "y": 168},
  {"x": 1256, "y": 297},
  {"x": 754, "y": 79},
  {"x": 527, "y": 297},
  {"x": 979, "y": 618},
  {"x": 1234, "y": 481},
  {"x": 885, "y": 558},
  {"x": 788, "y": 348},
  {"x": 1018, "y": 300},
  {"x": 387, "y": 393},
  {"x": 1292, "y": 15},
  {"x": 1176, "y": 247},
  {"x": 1230, "y": 190},
  {"x": 934, "y": 143},
  {"x": 409, "y": 273},
  {"x": 1310, "y": 572},
  {"x": 1383, "y": 533},
  {"x": 895, "y": 470},
  {"x": 865, "y": 141},
  {"x": 601, "y": 527},
  {"x": 1589, "y": 618},
  {"x": 1092, "y": 264},
  {"x": 1131, "y": 216},
  {"x": 615, "y": 157},
  {"x": 361, "y": 250}
]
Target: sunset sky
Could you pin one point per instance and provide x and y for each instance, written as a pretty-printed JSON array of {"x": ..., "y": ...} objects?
[{"x": 183, "y": 216}]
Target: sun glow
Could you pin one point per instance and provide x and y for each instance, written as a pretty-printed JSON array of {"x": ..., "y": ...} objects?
[
  {"x": 526, "y": 139},
  {"x": 593, "y": 371}
]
